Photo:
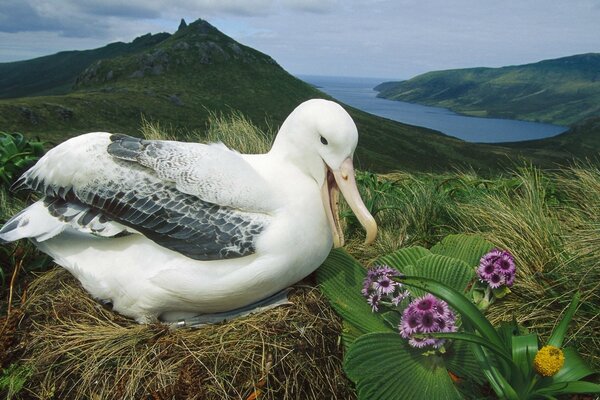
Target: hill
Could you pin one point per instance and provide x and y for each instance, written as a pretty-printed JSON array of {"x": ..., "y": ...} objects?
[
  {"x": 56, "y": 74},
  {"x": 581, "y": 141},
  {"x": 560, "y": 91},
  {"x": 180, "y": 80}
]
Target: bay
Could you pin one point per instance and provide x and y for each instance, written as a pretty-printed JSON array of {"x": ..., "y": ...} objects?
[{"x": 359, "y": 93}]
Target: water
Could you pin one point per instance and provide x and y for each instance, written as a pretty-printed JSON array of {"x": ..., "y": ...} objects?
[{"x": 359, "y": 93}]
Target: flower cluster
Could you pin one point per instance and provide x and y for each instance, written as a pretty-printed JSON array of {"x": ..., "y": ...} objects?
[
  {"x": 548, "y": 360},
  {"x": 426, "y": 314},
  {"x": 497, "y": 268},
  {"x": 379, "y": 286}
]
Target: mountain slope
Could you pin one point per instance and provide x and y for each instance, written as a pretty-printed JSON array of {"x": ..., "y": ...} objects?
[
  {"x": 560, "y": 91},
  {"x": 56, "y": 74},
  {"x": 180, "y": 80},
  {"x": 582, "y": 141}
]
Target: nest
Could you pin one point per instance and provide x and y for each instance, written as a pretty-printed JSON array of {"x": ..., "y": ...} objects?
[{"x": 78, "y": 349}]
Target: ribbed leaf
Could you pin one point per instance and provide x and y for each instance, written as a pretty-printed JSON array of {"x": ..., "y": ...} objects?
[
  {"x": 460, "y": 360},
  {"x": 341, "y": 279},
  {"x": 450, "y": 271},
  {"x": 385, "y": 367},
  {"x": 349, "y": 334},
  {"x": 403, "y": 257},
  {"x": 573, "y": 369},
  {"x": 468, "y": 248}
]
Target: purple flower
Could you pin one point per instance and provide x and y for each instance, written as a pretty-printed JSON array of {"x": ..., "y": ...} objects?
[
  {"x": 379, "y": 286},
  {"x": 497, "y": 268},
  {"x": 426, "y": 314}
]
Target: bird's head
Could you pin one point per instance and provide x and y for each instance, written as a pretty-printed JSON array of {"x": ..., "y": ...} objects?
[{"x": 320, "y": 137}]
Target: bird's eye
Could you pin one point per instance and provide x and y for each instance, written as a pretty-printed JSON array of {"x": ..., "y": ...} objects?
[{"x": 324, "y": 141}]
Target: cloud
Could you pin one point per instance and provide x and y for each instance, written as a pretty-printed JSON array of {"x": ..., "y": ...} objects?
[{"x": 311, "y": 6}]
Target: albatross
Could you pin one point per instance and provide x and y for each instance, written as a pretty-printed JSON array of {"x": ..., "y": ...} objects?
[{"x": 165, "y": 230}]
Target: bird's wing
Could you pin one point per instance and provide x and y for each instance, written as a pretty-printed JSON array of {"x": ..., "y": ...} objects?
[
  {"x": 154, "y": 188},
  {"x": 212, "y": 173}
]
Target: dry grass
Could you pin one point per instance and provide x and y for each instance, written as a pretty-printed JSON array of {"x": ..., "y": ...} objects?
[
  {"x": 80, "y": 350},
  {"x": 234, "y": 131}
]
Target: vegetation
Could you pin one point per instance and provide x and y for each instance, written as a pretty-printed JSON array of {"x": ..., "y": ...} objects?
[
  {"x": 561, "y": 91},
  {"x": 183, "y": 79},
  {"x": 56, "y": 74},
  {"x": 16, "y": 155},
  {"x": 549, "y": 221},
  {"x": 431, "y": 366}
]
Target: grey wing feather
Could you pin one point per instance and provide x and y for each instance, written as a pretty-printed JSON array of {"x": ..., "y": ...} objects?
[
  {"x": 211, "y": 172},
  {"x": 130, "y": 197}
]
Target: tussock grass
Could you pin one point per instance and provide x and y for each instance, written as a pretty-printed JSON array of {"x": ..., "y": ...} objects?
[
  {"x": 80, "y": 350},
  {"x": 548, "y": 223},
  {"x": 233, "y": 130},
  {"x": 549, "y": 220},
  {"x": 238, "y": 132}
]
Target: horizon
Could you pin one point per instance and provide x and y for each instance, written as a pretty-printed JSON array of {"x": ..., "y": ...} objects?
[{"x": 381, "y": 39}]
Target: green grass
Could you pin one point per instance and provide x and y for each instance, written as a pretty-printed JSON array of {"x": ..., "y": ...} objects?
[{"x": 561, "y": 91}]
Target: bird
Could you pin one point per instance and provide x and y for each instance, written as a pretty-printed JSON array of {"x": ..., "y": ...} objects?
[{"x": 166, "y": 230}]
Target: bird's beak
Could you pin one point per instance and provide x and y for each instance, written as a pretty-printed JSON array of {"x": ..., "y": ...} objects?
[{"x": 343, "y": 180}]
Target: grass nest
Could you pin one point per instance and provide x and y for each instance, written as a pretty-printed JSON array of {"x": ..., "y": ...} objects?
[{"x": 75, "y": 348}]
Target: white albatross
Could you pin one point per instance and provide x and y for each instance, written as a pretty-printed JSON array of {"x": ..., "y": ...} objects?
[{"x": 165, "y": 229}]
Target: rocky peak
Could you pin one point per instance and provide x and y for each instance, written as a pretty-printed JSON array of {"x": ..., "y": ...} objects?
[{"x": 182, "y": 25}]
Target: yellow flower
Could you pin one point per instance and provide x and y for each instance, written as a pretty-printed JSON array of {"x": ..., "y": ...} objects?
[{"x": 548, "y": 360}]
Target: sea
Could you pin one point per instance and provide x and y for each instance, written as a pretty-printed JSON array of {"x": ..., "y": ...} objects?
[{"x": 359, "y": 93}]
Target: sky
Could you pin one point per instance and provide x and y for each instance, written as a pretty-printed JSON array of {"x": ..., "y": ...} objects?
[{"x": 391, "y": 39}]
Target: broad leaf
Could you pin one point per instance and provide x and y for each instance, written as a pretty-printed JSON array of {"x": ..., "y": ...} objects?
[
  {"x": 460, "y": 360},
  {"x": 341, "y": 278},
  {"x": 524, "y": 349},
  {"x": 573, "y": 369},
  {"x": 449, "y": 271},
  {"x": 385, "y": 367},
  {"x": 570, "y": 387},
  {"x": 468, "y": 248},
  {"x": 403, "y": 257}
]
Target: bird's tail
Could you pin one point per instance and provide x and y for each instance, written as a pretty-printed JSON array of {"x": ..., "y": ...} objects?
[{"x": 34, "y": 222}]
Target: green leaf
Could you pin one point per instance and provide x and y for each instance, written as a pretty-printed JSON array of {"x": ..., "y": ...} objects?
[
  {"x": 489, "y": 368},
  {"x": 524, "y": 348},
  {"x": 385, "y": 367},
  {"x": 573, "y": 369},
  {"x": 449, "y": 271},
  {"x": 570, "y": 387},
  {"x": 392, "y": 318},
  {"x": 341, "y": 278},
  {"x": 470, "y": 338},
  {"x": 468, "y": 248},
  {"x": 349, "y": 334},
  {"x": 460, "y": 360},
  {"x": 558, "y": 336},
  {"x": 403, "y": 257}
]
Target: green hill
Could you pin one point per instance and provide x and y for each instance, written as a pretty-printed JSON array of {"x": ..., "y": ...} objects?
[
  {"x": 56, "y": 74},
  {"x": 181, "y": 79},
  {"x": 560, "y": 91},
  {"x": 582, "y": 141}
]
